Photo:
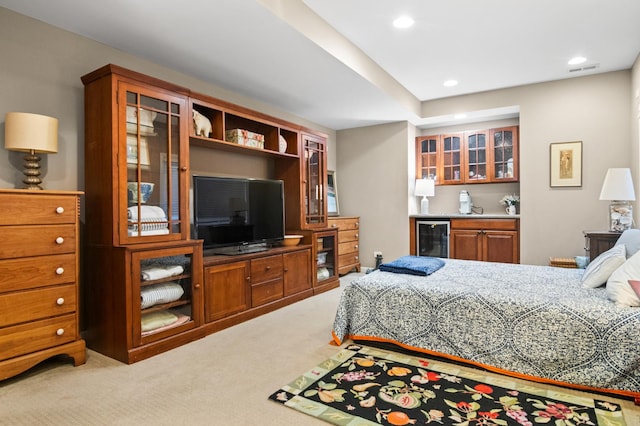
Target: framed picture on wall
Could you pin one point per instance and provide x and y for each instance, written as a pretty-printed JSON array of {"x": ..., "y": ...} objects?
[
  {"x": 565, "y": 164},
  {"x": 332, "y": 194}
]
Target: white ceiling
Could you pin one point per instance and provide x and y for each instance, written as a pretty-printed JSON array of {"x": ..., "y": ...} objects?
[{"x": 341, "y": 63}]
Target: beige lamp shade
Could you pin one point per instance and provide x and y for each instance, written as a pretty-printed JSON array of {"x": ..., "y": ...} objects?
[{"x": 30, "y": 132}]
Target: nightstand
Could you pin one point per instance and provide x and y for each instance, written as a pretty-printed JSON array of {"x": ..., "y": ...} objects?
[{"x": 597, "y": 242}]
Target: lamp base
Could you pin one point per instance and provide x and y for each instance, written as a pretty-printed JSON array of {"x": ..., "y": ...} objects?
[
  {"x": 620, "y": 216},
  {"x": 424, "y": 205},
  {"x": 32, "y": 170}
]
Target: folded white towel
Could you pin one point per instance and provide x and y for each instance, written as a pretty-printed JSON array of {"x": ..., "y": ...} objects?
[
  {"x": 160, "y": 293},
  {"x": 158, "y": 272},
  {"x": 146, "y": 232},
  {"x": 147, "y": 213}
]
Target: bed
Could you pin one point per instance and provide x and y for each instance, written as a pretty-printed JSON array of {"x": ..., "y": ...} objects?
[{"x": 536, "y": 322}]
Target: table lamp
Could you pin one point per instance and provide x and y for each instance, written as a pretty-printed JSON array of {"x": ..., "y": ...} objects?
[
  {"x": 618, "y": 188},
  {"x": 32, "y": 134},
  {"x": 424, "y": 188}
]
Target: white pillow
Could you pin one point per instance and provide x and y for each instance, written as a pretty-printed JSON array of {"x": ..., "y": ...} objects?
[
  {"x": 599, "y": 271},
  {"x": 618, "y": 288},
  {"x": 631, "y": 240}
]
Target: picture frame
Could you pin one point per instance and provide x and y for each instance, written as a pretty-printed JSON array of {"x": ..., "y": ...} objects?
[
  {"x": 565, "y": 160},
  {"x": 333, "y": 208},
  {"x": 132, "y": 151}
]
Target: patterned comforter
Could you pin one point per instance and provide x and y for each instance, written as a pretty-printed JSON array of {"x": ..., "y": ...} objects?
[{"x": 533, "y": 320}]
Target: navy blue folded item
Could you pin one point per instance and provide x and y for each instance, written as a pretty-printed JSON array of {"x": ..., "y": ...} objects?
[{"x": 413, "y": 265}]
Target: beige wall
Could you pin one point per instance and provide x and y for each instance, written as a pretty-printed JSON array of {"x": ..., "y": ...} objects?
[
  {"x": 593, "y": 109},
  {"x": 40, "y": 73},
  {"x": 372, "y": 183}
]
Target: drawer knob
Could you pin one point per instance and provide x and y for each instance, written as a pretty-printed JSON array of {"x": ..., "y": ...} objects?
[
  {"x": 333, "y": 225},
  {"x": 357, "y": 257},
  {"x": 59, "y": 240},
  {"x": 356, "y": 246},
  {"x": 60, "y": 331},
  {"x": 60, "y": 301},
  {"x": 59, "y": 270},
  {"x": 60, "y": 210},
  {"x": 357, "y": 235}
]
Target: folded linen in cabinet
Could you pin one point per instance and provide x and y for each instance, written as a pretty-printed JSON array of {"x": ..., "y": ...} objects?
[
  {"x": 160, "y": 293},
  {"x": 158, "y": 272},
  {"x": 181, "y": 319},
  {"x": 147, "y": 213},
  {"x": 153, "y": 221},
  {"x": 153, "y": 320},
  {"x": 145, "y": 232}
]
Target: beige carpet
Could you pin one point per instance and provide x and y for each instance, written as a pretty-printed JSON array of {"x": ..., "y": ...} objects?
[{"x": 223, "y": 379}]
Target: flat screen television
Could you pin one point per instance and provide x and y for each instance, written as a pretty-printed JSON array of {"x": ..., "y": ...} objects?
[{"x": 237, "y": 215}]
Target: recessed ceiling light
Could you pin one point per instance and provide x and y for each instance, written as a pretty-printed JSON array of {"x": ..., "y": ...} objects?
[
  {"x": 403, "y": 22},
  {"x": 451, "y": 83},
  {"x": 577, "y": 60}
]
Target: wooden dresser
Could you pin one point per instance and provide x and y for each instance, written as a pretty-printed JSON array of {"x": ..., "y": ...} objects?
[
  {"x": 38, "y": 278},
  {"x": 348, "y": 242}
]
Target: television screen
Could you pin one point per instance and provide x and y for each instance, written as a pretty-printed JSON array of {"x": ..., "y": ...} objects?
[{"x": 236, "y": 212}]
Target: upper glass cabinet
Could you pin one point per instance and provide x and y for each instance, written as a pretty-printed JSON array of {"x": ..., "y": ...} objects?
[
  {"x": 427, "y": 155},
  {"x": 315, "y": 175},
  {"x": 505, "y": 153},
  {"x": 153, "y": 166}
]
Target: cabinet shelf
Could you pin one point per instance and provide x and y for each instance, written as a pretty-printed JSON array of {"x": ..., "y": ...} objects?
[
  {"x": 234, "y": 147},
  {"x": 165, "y": 306},
  {"x": 165, "y": 280}
]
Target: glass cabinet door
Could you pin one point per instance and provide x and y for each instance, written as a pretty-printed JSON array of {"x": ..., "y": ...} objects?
[
  {"x": 315, "y": 176},
  {"x": 326, "y": 256},
  {"x": 476, "y": 155},
  {"x": 427, "y": 153},
  {"x": 165, "y": 293},
  {"x": 452, "y": 158},
  {"x": 152, "y": 167},
  {"x": 505, "y": 150}
]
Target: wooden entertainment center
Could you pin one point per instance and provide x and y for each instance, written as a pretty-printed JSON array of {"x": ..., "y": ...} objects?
[{"x": 148, "y": 285}]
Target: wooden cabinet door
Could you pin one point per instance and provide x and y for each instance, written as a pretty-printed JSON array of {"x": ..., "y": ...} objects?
[
  {"x": 476, "y": 157},
  {"x": 504, "y": 154},
  {"x": 500, "y": 246},
  {"x": 428, "y": 157},
  {"x": 297, "y": 276},
  {"x": 466, "y": 244},
  {"x": 452, "y": 158},
  {"x": 226, "y": 290},
  {"x": 314, "y": 181}
]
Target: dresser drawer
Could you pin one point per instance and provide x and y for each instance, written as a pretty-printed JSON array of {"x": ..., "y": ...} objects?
[
  {"x": 348, "y": 247},
  {"x": 26, "y": 338},
  {"x": 31, "y": 272},
  {"x": 266, "y": 268},
  {"x": 23, "y": 241},
  {"x": 22, "y": 306},
  {"x": 344, "y": 236},
  {"x": 348, "y": 259},
  {"x": 267, "y": 292},
  {"x": 19, "y": 209},
  {"x": 345, "y": 224}
]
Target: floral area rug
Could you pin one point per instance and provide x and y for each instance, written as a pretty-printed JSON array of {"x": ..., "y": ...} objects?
[{"x": 367, "y": 386}]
